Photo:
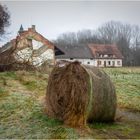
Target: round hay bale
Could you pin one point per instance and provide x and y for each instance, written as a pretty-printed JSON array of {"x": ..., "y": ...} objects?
[{"x": 77, "y": 94}]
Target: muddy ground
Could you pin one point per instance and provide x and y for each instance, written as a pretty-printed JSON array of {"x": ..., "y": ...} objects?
[{"x": 126, "y": 126}]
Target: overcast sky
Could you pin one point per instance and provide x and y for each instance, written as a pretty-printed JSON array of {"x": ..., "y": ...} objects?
[{"x": 55, "y": 17}]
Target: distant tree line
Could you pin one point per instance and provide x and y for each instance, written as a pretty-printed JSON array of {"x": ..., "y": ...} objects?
[{"x": 126, "y": 36}]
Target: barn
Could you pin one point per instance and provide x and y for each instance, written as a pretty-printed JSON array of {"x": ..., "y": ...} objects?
[{"x": 29, "y": 47}]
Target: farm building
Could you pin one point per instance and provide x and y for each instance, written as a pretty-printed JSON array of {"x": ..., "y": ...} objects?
[
  {"x": 77, "y": 52},
  {"x": 98, "y": 55},
  {"x": 29, "y": 47},
  {"x": 106, "y": 55}
]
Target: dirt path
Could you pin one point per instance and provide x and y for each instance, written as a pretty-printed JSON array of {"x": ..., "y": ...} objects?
[
  {"x": 128, "y": 115},
  {"x": 131, "y": 120}
]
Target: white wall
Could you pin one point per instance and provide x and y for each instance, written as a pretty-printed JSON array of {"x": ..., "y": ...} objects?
[
  {"x": 47, "y": 55},
  {"x": 23, "y": 55},
  {"x": 94, "y": 62},
  {"x": 83, "y": 61},
  {"x": 36, "y": 44},
  {"x": 26, "y": 55}
]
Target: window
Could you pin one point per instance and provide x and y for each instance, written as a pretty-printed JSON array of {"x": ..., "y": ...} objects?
[
  {"x": 110, "y": 55},
  {"x": 88, "y": 62},
  {"x": 113, "y": 63},
  {"x": 97, "y": 55},
  {"x": 118, "y": 63},
  {"x": 104, "y": 63},
  {"x": 99, "y": 62},
  {"x": 101, "y": 55},
  {"x": 109, "y": 62},
  {"x": 113, "y": 56}
]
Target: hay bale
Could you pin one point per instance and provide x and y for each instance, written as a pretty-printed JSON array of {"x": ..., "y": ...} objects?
[{"x": 77, "y": 94}]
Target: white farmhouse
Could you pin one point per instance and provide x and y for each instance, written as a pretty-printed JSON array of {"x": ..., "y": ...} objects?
[
  {"x": 99, "y": 55},
  {"x": 106, "y": 55}
]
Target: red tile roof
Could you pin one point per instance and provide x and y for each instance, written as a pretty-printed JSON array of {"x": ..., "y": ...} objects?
[{"x": 103, "y": 49}]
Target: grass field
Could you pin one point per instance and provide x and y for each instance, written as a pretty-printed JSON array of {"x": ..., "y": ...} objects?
[
  {"x": 22, "y": 116},
  {"x": 127, "y": 82}
]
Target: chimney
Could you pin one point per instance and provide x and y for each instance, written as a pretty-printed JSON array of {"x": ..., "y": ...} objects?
[{"x": 33, "y": 27}]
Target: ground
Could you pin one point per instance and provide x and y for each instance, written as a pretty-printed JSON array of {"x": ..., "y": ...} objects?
[{"x": 22, "y": 113}]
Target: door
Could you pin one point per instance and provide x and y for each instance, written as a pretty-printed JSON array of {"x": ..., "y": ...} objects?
[{"x": 104, "y": 63}]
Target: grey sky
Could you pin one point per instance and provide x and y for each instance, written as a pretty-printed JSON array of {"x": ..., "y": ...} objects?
[{"x": 55, "y": 17}]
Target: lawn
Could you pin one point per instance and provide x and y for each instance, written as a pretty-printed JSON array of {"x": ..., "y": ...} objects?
[
  {"x": 22, "y": 113},
  {"x": 127, "y": 82}
]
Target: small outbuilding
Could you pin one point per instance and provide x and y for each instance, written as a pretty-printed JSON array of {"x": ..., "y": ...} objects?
[{"x": 77, "y": 52}]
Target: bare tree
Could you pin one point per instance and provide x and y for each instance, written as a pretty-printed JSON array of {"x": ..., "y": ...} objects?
[
  {"x": 112, "y": 31},
  {"x": 67, "y": 38},
  {"x": 4, "y": 19},
  {"x": 87, "y": 36}
]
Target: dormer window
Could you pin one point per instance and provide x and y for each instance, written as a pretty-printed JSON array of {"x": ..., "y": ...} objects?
[
  {"x": 97, "y": 54},
  {"x": 110, "y": 55},
  {"x": 101, "y": 55},
  {"x": 118, "y": 63},
  {"x": 99, "y": 62}
]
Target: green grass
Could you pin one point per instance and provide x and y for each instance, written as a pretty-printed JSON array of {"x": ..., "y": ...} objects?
[
  {"x": 35, "y": 82},
  {"x": 8, "y": 75},
  {"x": 112, "y": 130},
  {"x": 127, "y": 83},
  {"x": 2, "y": 92},
  {"x": 22, "y": 113},
  {"x": 22, "y": 116}
]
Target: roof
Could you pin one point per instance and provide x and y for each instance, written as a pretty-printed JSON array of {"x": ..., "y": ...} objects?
[
  {"x": 58, "y": 51},
  {"x": 6, "y": 46},
  {"x": 105, "y": 49},
  {"x": 30, "y": 33},
  {"x": 74, "y": 51},
  {"x": 21, "y": 29}
]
